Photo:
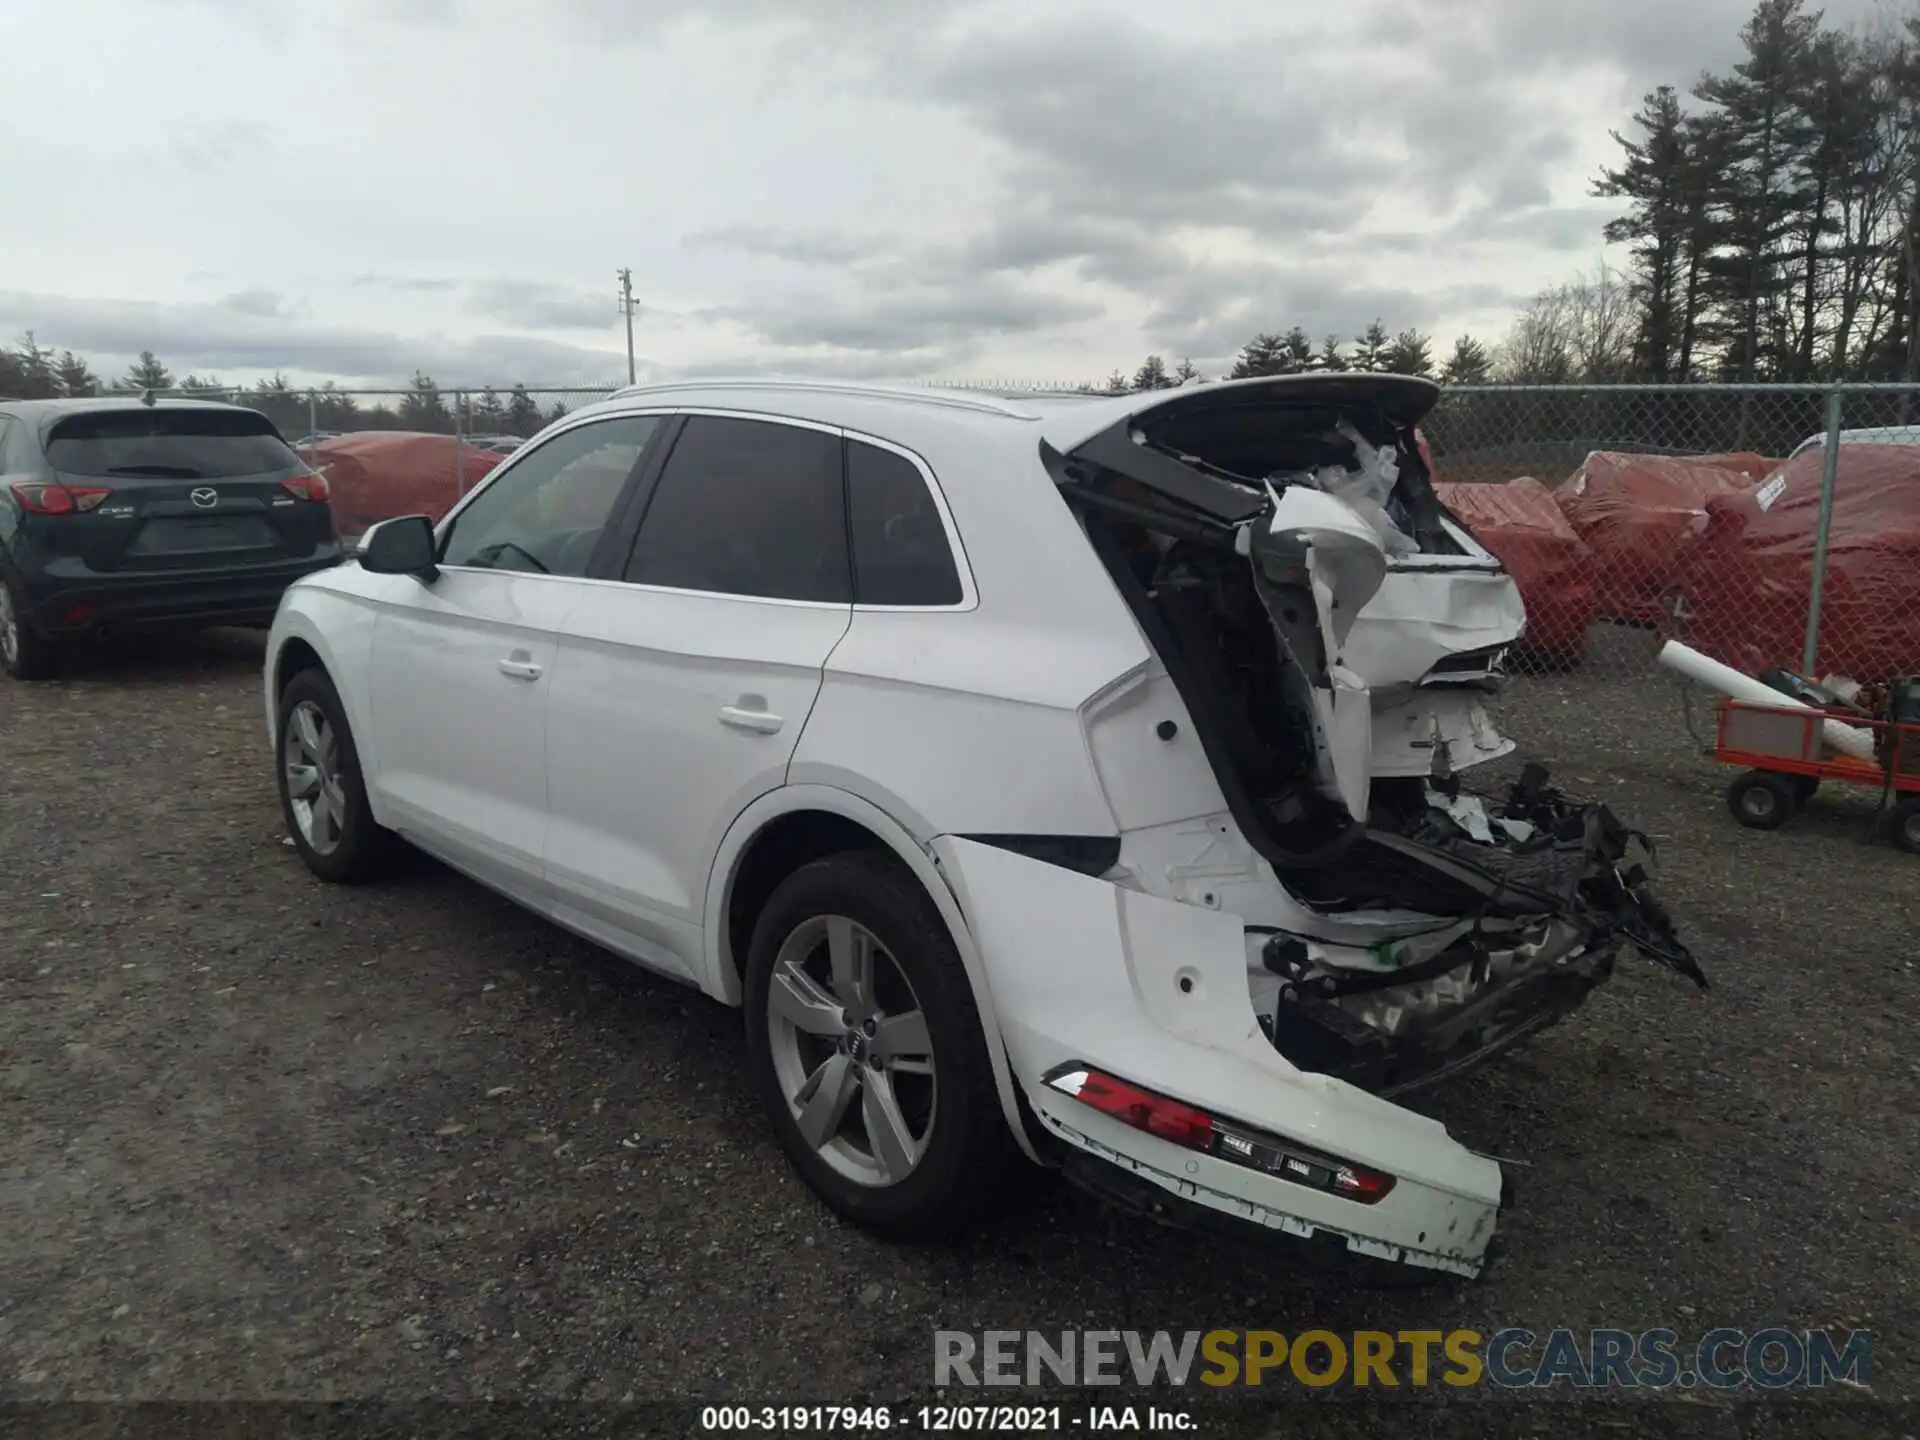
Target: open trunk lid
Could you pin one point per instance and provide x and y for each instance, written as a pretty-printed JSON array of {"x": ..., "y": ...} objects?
[{"x": 1317, "y": 483}]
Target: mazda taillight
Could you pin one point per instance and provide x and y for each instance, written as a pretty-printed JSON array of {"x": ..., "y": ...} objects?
[
  {"x": 311, "y": 486},
  {"x": 60, "y": 499},
  {"x": 1194, "y": 1129}
]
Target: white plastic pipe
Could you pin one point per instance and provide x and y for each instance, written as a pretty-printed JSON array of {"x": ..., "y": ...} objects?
[{"x": 1685, "y": 660}]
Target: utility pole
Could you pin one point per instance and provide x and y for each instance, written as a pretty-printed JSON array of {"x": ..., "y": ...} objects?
[{"x": 626, "y": 309}]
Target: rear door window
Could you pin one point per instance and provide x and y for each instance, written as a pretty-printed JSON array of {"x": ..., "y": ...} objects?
[
  {"x": 901, "y": 555},
  {"x": 748, "y": 507},
  {"x": 167, "y": 443}
]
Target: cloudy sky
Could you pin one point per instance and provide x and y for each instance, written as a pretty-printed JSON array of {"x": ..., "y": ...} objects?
[{"x": 904, "y": 188}]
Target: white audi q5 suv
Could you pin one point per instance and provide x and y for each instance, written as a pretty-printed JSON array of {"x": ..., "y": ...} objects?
[{"x": 1076, "y": 779}]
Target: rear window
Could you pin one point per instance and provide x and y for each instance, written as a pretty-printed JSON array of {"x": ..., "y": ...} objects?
[{"x": 185, "y": 444}]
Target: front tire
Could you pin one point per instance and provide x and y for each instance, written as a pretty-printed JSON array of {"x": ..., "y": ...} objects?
[
  {"x": 322, "y": 793},
  {"x": 866, "y": 1046}
]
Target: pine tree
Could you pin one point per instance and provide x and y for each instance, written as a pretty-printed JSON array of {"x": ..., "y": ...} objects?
[
  {"x": 1370, "y": 348},
  {"x": 1411, "y": 353},
  {"x": 1758, "y": 193},
  {"x": 1469, "y": 364},
  {"x": 1259, "y": 356},
  {"x": 1654, "y": 179},
  {"x": 1184, "y": 372},
  {"x": 336, "y": 410},
  {"x": 489, "y": 415},
  {"x": 1152, "y": 375},
  {"x": 75, "y": 375},
  {"x": 423, "y": 407},
  {"x": 523, "y": 416},
  {"x": 1330, "y": 357},
  {"x": 36, "y": 375},
  {"x": 1296, "y": 352},
  {"x": 147, "y": 374}
]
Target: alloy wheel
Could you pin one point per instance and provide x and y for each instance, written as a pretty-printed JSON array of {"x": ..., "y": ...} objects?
[
  {"x": 850, "y": 1047},
  {"x": 311, "y": 756}
]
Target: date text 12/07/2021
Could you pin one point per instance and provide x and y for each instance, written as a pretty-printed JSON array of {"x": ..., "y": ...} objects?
[{"x": 945, "y": 1419}]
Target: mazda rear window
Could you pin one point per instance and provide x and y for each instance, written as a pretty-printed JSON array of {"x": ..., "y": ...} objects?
[{"x": 178, "y": 444}]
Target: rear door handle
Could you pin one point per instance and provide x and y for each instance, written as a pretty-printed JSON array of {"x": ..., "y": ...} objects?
[
  {"x": 519, "y": 668},
  {"x": 759, "y": 721}
]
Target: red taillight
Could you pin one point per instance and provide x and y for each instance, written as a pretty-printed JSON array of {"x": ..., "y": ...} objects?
[
  {"x": 1224, "y": 1139},
  {"x": 60, "y": 499},
  {"x": 311, "y": 486},
  {"x": 1142, "y": 1109}
]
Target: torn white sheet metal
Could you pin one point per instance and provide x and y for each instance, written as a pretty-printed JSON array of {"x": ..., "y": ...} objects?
[
  {"x": 1418, "y": 618},
  {"x": 1345, "y": 563},
  {"x": 1469, "y": 812},
  {"x": 1408, "y": 732}
]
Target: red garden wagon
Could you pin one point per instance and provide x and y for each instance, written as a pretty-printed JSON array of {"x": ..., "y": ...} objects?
[{"x": 1788, "y": 759}]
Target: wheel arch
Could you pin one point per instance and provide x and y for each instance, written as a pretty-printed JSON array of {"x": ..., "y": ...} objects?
[{"x": 787, "y": 827}]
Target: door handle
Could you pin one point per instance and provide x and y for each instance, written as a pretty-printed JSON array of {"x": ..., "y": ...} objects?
[
  {"x": 520, "y": 669},
  {"x": 760, "y": 722}
]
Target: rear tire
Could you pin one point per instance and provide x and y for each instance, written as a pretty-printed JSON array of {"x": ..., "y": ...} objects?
[
  {"x": 1763, "y": 800},
  {"x": 322, "y": 794},
  {"x": 840, "y": 1079},
  {"x": 25, "y": 654}
]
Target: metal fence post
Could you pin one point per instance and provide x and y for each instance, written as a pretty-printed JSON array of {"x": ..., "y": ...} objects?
[
  {"x": 313, "y": 425},
  {"x": 1829, "y": 468},
  {"x": 459, "y": 444}
]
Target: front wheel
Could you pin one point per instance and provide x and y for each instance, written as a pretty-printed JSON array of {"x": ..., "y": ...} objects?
[
  {"x": 322, "y": 793},
  {"x": 867, "y": 1049}
]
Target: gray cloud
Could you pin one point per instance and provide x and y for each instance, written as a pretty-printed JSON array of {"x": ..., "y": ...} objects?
[
  {"x": 931, "y": 319},
  {"x": 1132, "y": 176},
  {"x": 535, "y": 305},
  {"x": 252, "y": 339},
  {"x": 828, "y": 248},
  {"x": 417, "y": 284}
]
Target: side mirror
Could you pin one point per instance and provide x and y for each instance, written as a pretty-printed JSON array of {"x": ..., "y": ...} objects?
[{"x": 402, "y": 546}]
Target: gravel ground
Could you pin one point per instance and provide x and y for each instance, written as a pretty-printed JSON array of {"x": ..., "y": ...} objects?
[{"x": 260, "y": 1137}]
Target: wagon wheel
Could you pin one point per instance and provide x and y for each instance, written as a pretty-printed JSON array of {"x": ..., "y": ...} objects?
[
  {"x": 1906, "y": 824},
  {"x": 1763, "y": 800}
]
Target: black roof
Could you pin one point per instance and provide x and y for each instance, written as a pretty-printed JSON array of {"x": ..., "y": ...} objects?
[{"x": 45, "y": 412}]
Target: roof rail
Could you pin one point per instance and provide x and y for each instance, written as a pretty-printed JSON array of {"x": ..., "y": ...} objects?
[{"x": 951, "y": 400}]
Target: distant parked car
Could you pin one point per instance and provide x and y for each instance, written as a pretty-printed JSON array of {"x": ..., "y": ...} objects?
[
  {"x": 498, "y": 444},
  {"x": 1872, "y": 435},
  {"x": 123, "y": 513}
]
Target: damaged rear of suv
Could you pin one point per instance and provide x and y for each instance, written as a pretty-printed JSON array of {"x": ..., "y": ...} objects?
[
  {"x": 1413, "y": 928},
  {"x": 1085, "y": 778}
]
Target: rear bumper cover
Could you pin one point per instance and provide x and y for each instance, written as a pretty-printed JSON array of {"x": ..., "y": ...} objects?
[
  {"x": 72, "y": 605},
  {"x": 1081, "y": 971}
]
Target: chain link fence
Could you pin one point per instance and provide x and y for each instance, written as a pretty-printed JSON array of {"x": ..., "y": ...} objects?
[
  {"x": 1718, "y": 515},
  {"x": 1769, "y": 526}
]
